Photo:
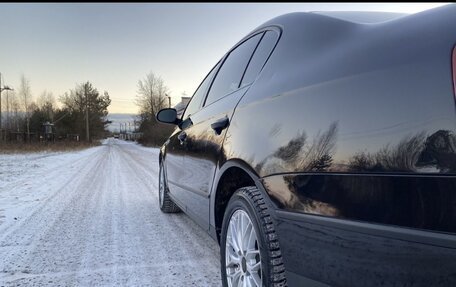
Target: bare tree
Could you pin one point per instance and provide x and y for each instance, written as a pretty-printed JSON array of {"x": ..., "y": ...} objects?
[
  {"x": 14, "y": 105},
  {"x": 151, "y": 95},
  {"x": 6, "y": 104},
  {"x": 45, "y": 98},
  {"x": 46, "y": 103},
  {"x": 25, "y": 95}
]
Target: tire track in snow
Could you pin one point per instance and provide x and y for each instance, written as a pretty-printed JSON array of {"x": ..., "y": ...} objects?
[{"x": 195, "y": 239}]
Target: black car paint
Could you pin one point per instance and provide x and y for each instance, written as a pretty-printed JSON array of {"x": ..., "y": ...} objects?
[{"x": 351, "y": 131}]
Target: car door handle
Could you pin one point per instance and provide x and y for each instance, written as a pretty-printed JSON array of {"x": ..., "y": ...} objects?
[
  {"x": 182, "y": 137},
  {"x": 221, "y": 124}
]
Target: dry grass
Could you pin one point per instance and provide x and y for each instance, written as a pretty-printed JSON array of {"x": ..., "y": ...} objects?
[{"x": 7, "y": 148}]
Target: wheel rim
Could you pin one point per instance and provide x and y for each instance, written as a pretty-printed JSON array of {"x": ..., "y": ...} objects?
[
  {"x": 242, "y": 253},
  {"x": 161, "y": 187}
]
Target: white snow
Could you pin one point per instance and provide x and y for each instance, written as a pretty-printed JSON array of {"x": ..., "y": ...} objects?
[{"x": 91, "y": 218}]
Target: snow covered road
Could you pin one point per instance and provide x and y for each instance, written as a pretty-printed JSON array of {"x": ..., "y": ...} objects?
[{"x": 91, "y": 218}]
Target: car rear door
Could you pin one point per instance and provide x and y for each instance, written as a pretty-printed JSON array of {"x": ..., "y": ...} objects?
[{"x": 206, "y": 132}]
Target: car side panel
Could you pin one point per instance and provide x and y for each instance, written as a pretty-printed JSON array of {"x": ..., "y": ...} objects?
[
  {"x": 377, "y": 122},
  {"x": 368, "y": 230},
  {"x": 421, "y": 202},
  {"x": 330, "y": 253},
  {"x": 368, "y": 103}
]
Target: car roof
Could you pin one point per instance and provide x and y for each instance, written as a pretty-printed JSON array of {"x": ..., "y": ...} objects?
[{"x": 361, "y": 17}]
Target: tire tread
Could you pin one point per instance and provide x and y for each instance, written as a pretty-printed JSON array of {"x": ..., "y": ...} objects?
[
  {"x": 277, "y": 276},
  {"x": 168, "y": 205}
]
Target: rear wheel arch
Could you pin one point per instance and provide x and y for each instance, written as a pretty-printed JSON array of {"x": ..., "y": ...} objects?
[{"x": 233, "y": 175}]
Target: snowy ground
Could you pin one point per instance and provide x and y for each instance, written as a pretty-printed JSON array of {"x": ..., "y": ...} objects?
[{"x": 91, "y": 218}]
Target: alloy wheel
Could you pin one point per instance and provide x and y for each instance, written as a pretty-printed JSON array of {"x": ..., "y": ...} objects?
[{"x": 243, "y": 261}]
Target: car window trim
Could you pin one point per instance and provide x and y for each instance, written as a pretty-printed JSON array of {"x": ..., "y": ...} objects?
[
  {"x": 266, "y": 30},
  {"x": 237, "y": 90},
  {"x": 251, "y": 57}
]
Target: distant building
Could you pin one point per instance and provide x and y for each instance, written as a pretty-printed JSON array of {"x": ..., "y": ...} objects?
[{"x": 180, "y": 107}]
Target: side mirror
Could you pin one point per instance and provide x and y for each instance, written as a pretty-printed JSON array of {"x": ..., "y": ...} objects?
[{"x": 168, "y": 116}]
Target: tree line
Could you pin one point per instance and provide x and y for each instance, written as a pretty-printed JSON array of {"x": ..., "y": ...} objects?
[{"x": 79, "y": 113}]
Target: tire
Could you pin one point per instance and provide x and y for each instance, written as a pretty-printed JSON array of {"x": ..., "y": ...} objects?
[
  {"x": 248, "y": 205},
  {"x": 166, "y": 203}
]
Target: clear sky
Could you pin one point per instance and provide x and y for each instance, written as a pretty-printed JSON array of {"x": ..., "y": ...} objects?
[{"x": 113, "y": 45}]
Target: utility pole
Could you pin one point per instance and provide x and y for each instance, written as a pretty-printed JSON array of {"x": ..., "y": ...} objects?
[
  {"x": 121, "y": 132},
  {"x": 1, "y": 90},
  {"x": 87, "y": 113}
]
